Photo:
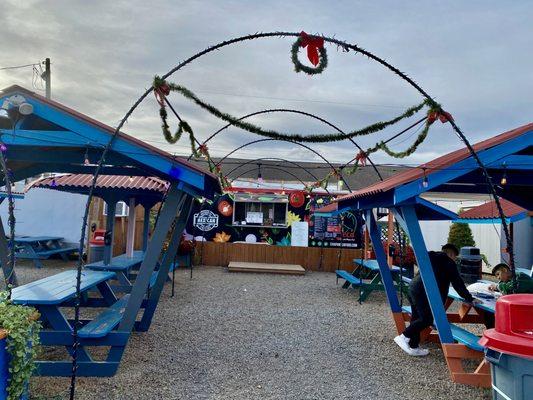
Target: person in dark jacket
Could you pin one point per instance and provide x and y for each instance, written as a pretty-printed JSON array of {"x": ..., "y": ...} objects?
[{"x": 446, "y": 273}]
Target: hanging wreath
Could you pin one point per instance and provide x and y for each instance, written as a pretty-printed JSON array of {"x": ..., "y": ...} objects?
[
  {"x": 316, "y": 53},
  {"x": 225, "y": 208},
  {"x": 297, "y": 199}
]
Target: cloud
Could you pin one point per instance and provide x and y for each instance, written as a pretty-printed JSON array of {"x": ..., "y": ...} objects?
[{"x": 473, "y": 58}]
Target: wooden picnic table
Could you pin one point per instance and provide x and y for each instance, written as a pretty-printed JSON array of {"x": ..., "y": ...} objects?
[
  {"x": 122, "y": 266},
  {"x": 53, "y": 293},
  {"x": 37, "y": 248},
  {"x": 369, "y": 270}
]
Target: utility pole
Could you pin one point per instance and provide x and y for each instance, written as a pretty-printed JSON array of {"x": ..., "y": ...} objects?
[{"x": 47, "y": 76}]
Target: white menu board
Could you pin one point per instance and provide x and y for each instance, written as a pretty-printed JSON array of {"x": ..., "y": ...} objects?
[{"x": 299, "y": 234}]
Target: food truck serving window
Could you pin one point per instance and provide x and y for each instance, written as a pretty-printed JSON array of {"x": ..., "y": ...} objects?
[{"x": 260, "y": 210}]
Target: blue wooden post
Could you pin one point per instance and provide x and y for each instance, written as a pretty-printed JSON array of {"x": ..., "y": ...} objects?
[
  {"x": 381, "y": 257},
  {"x": 168, "y": 258},
  {"x": 138, "y": 291},
  {"x": 110, "y": 225},
  {"x": 146, "y": 225},
  {"x": 410, "y": 223}
]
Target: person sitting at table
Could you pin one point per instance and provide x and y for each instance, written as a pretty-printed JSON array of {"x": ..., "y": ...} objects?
[
  {"x": 524, "y": 283},
  {"x": 446, "y": 273},
  {"x": 502, "y": 272}
]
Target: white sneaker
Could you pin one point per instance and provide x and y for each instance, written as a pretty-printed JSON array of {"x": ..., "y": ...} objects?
[
  {"x": 419, "y": 352},
  {"x": 403, "y": 342}
]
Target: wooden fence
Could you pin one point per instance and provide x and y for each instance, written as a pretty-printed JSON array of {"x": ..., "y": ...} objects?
[{"x": 311, "y": 258}]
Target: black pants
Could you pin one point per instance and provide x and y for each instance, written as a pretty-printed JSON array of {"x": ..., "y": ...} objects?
[{"x": 421, "y": 318}]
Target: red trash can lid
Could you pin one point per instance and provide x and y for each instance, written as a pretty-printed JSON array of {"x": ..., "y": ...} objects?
[{"x": 513, "y": 332}]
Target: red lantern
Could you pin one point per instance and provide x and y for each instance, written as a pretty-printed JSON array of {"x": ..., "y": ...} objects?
[
  {"x": 225, "y": 208},
  {"x": 297, "y": 199}
]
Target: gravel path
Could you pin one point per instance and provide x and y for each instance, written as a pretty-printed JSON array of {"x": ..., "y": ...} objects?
[{"x": 256, "y": 336}]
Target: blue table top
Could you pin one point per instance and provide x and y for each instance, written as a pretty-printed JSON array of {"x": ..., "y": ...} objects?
[
  {"x": 57, "y": 288},
  {"x": 35, "y": 239},
  {"x": 118, "y": 263},
  {"x": 487, "y": 303},
  {"x": 373, "y": 264}
]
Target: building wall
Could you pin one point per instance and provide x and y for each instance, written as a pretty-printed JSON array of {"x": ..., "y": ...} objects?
[
  {"x": 44, "y": 212},
  {"x": 486, "y": 236},
  {"x": 523, "y": 243}
]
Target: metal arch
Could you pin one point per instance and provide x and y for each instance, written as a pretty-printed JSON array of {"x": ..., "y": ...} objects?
[
  {"x": 288, "y": 141},
  {"x": 278, "y": 169},
  {"x": 273, "y": 159},
  {"x": 345, "y": 46},
  {"x": 290, "y": 110}
]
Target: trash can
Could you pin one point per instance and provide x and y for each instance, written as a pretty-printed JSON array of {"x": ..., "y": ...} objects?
[
  {"x": 509, "y": 348},
  {"x": 96, "y": 246},
  {"x": 469, "y": 261}
]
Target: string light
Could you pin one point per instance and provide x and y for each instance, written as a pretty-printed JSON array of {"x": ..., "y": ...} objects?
[
  {"x": 425, "y": 182},
  {"x": 3, "y": 147},
  {"x": 503, "y": 181},
  {"x": 86, "y": 160}
]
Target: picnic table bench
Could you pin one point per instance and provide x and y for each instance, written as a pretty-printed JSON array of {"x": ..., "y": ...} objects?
[{"x": 39, "y": 248}]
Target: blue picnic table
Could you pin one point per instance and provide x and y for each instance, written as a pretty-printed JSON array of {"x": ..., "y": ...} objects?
[
  {"x": 53, "y": 293},
  {"x": 366, "y": 276},
  {"x": 122, "y": 266},
  {"x": 37, "y": 248}
]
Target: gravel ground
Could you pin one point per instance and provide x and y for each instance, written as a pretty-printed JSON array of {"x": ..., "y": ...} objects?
[{"x": 257, "y": 336}]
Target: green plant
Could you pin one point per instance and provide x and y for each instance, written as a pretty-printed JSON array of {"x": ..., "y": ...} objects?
[
  {"x": 460, "y": 235},
  {"x": 22, "y": 326}
]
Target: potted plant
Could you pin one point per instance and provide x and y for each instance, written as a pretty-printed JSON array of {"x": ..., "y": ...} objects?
[{"x": 19, "y": 342}]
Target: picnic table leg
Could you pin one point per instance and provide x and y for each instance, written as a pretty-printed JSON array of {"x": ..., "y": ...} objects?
[
  {"x": 56, "y": 245},
  {"x": 107, "y": 293},
  {"x": 58, "y": 322},
  {"x": 30, "y": 251}
]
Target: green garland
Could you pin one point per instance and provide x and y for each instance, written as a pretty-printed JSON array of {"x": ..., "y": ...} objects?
[
  {"x": 316, "y": 138},
  {"x": 298, "y": 66},
  {"x": 407, "y": 152},
  {"x": 22, "y": 326}
]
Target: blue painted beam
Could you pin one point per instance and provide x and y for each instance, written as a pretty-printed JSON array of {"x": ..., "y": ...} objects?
[
  {"x": 381, "y": 257},
  {"x": 463, "y": 167},
  {"x": 409, "y": 222}
]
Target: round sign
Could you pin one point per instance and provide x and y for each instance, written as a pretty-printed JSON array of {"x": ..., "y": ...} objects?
[
  {"x": 225, "y": 208},
  {"x": 297, "y": 199}
]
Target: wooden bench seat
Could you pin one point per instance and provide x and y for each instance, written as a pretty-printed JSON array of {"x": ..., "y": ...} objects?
[
  {"x": 460, "y": 335},
  {"x": 347, "y": 277},
  {"x": 106, "y": 321},
  {"x": 62, "y": 250}
]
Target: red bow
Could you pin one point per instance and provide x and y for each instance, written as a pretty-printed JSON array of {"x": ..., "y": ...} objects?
[
  {"x": 160, "y": 93},
  {"x": 361, "y": 158},
  {"x": 203, "y": 149},
  {"x": 313, "y": 43},
  {"x": 443, "y": 116}
]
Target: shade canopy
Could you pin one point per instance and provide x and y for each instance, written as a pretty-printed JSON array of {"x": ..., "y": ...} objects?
[
  {"x": 508, "y": 158},
  {"x": 488, "y": 213},
  {"x": 55, "y": 138},
  {"x": 147, "y": 190}
]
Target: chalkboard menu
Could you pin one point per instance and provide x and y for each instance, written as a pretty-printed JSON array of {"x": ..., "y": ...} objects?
[{"x": 335, "y": 231}]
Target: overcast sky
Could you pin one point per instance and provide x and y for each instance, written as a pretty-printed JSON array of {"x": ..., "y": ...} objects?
[{"x": 474, "y": 57}]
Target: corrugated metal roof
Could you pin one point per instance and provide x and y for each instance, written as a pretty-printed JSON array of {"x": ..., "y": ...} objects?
[
  {"x": 489, "y": 210},
  {"x": 84, "y": 181},
  {"x": 435, "y": 165}
]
